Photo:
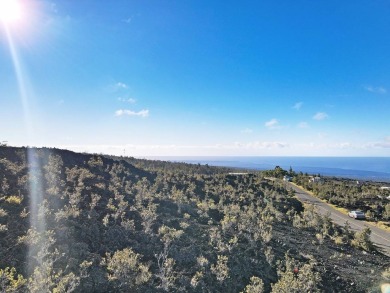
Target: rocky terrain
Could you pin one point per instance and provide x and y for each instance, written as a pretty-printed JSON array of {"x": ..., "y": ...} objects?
[{"x": 74, "y": 222}]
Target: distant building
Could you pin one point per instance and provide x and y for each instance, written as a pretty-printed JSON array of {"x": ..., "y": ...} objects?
[
  {"x": 315, "y": 179},
  {"x": 287, "y": 178},
  {"x": 239, "y": 174}
]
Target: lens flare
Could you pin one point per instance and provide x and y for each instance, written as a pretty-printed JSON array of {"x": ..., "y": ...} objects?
[
  {"x": 385, "y": 288},
  {"x": 10, "y": 14},
  {"x": 10, "y": 11},
  {"x": 21, "y": 79}
]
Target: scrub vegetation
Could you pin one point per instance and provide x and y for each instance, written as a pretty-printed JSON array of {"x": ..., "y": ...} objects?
[
  {"x": 373, "y": 198},
  {"x": 128, "y": 225}
]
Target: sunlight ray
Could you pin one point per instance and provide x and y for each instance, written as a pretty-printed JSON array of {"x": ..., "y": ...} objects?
[
  {"x": 20, "y": 76},
  {"x": 37, "y": 217}
]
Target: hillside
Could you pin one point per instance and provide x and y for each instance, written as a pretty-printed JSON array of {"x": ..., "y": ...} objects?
[
  {"x": 74, "y": 222},
  {"x": 369, "y": 196}
]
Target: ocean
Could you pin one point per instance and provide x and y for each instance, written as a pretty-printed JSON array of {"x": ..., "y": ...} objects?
[{"x": 363, "y": 168}]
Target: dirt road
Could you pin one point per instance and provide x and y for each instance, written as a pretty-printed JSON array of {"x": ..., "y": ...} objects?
[{"x": 379, "y": 237}]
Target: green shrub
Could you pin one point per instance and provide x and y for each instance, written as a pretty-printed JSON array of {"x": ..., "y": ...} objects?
[
  {"x": 14, "y": 199},
  {"x": 3, "y": 213},
  {"x": 256, "y": 285},
  {"x": 295, "y": 277},
  {"x": 10, "y": 282},
  {"x": 362, "y": 240},
  {"x": 386, "y": 274},
  {"x": 338, "y": 240},
  {"x": 125, "y": 268}
]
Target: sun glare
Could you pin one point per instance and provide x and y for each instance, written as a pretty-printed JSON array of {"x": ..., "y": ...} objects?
[{"x": 10, "y": 11}]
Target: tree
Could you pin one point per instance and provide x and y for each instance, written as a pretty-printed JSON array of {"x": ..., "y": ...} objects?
[
  {"x": 148, "y": 216},
  {"x": 125, "y": 269},
  {"x": 295, "y": 277},
  {"x": 53, "y": 172},
  {"x": 179, "y": 197},
  {"x": 46, "y": 276},
  {"x": 256, "y": 285},
  {"x": 279, "y": 172},
  {"x": 386, "y": 213},
  {"x": 165, "y": 264},
  {"x": 221, "y": 269},
  {"x": 362, "y": 240},
  {"x": 11, "y": 282}
]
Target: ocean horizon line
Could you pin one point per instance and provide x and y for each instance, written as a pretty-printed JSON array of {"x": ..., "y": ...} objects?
[{"x": 367, "y": 168}]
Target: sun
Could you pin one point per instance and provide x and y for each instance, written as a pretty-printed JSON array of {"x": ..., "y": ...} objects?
[{"x": 10, "y": 11}]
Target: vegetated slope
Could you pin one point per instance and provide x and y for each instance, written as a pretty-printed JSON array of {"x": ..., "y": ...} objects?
[
  {"x": 367, "y": 196},
  {"x": 162, "y": 166},
  {"x": 112, "y": 227}
]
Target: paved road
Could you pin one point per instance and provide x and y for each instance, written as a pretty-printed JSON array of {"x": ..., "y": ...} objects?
[{"x": 379, "y": 237}]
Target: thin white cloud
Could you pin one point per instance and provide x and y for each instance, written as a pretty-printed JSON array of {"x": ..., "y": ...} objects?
[
  {"x": 142, "y": 113},
  {"x": 247, "y": 130},
  {"x": 344, "y": 145},
  {"x": 266, "y": 145},
  {"x": 67, "y": 138},
  {"x": 384, "y": 145},
  {"x": 120, "y": 85},
  {"x": 117, "y": 87},
  {"x": 376, "y": 90},
  {"x": 128, "y": 20},
  {"x": 53, "y": 7},
  {"x": 380, "y": 144},
  {"x": 320, "y": 116},
  {"x": 322, "y": 135},
  {"x": 127, "y": 100},
  {"x": 234, "y": 148},
  {"x": 169, "y": 148},
  {"x": 303, "y": 125},
  {"x": 298, "y": 106},
  {"x": 273, "y": 124},
  {"x": 327, "y": 146}
]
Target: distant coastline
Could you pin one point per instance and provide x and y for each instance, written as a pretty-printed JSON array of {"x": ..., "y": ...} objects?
[{"x": 363, "y": 168}]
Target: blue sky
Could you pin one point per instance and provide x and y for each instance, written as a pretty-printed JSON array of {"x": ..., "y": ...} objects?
[{"x": 280, "y": 78}]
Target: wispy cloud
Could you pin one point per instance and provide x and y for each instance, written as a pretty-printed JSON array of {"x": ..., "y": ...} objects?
[
  {"x": 384, "y": 144},
  {"x": 322, "y": 135},
  {"x": 247, "y": 130},
  {"x": 265, "y": 145},
  {"x": 273, "y": 124},
  {"x": 327, "y": 146},
  {"x": 127, "y": 100},
  {"x": 151, "y": 149},
  {"x": 120, "y": 85},
  {"x": 53, "y": 7},
  {"x": 298, "y": 106},
  {"x": 381, "y": 144},
  {"x": 234, "y": 148},
  {"x": 142, "y": 113},
  {"x": 303, "y": 125},
  {"x": 376, "y": 90},
  {"x": 320, "y": 116},
  {"x": 344, "y": 145},
  {"x": 128, "y": 20}
]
